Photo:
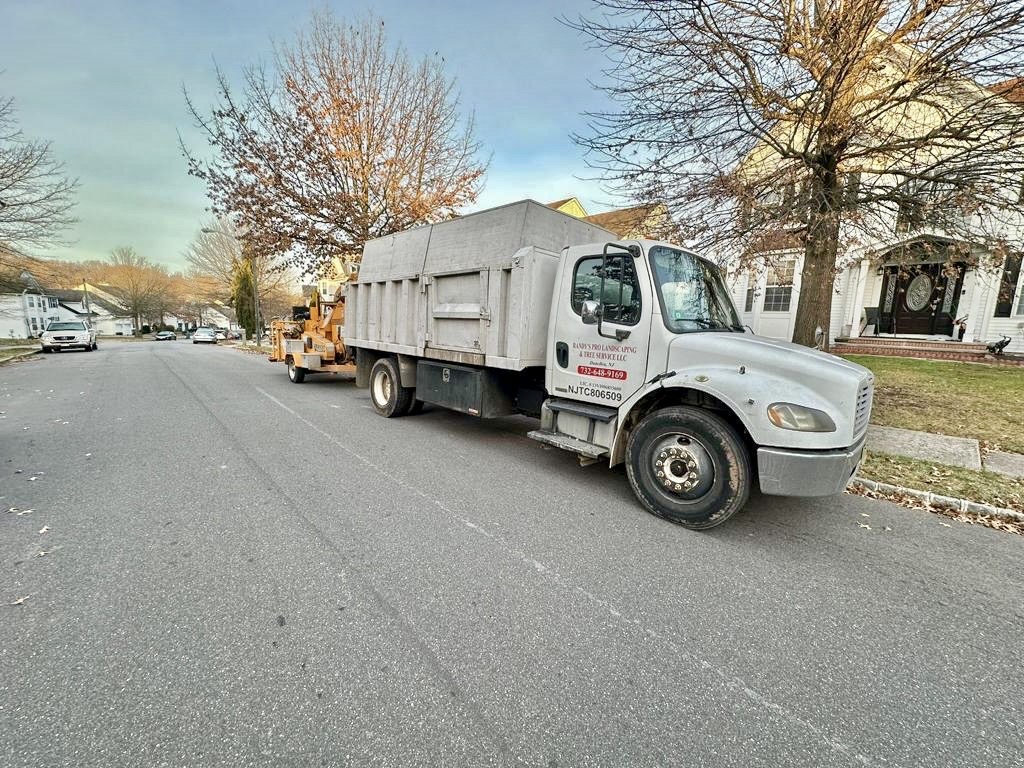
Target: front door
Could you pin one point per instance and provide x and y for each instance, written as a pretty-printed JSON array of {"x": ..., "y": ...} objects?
[
  {"x": 589, "y": 364},
  {"x": 920, "y": 298}
]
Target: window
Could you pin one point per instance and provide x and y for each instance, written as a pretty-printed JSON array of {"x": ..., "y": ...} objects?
[
  {"x": 748, "y": 302},
  {"x": 779, "y": 290},
  {"x": 1007, "y": 285},
  {"x": 53, "y": 303},
  {"x": 31, "y": 301},
  {"x": 621, "y": 297},
  {"x": 35, "y": 327}
]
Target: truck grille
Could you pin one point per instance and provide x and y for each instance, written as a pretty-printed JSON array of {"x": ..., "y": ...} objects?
[
  {"x": 863, "y": 412},
  {"x": 63, "y": 338}
]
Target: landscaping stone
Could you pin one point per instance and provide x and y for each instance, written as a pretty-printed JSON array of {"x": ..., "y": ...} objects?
[
  {"x": 942, "y": 449},
  {"x": 1004, "y": 463}
]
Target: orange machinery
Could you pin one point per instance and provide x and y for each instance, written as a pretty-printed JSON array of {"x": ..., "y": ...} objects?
[{"x": 311, "y": 341}]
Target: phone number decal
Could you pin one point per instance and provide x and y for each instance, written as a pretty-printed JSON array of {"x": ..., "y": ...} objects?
[{"x": 601, "y": 373}]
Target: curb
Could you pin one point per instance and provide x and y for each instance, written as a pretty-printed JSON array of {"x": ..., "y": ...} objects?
[
  {"x": 20, "y": 356},
  {"x": 938, "y": 501}
]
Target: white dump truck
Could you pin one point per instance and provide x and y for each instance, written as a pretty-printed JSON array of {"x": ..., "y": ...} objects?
[{"x": 626, "y": 350}]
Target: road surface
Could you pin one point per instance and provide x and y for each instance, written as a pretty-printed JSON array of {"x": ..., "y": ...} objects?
[{"x": 224, "y": 568}]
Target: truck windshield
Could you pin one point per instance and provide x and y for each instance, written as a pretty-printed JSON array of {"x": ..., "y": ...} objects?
[{"x": 692, "y": 293}]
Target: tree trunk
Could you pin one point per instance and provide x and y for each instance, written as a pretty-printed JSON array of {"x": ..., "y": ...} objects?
[{"x": 817, "y": 277}]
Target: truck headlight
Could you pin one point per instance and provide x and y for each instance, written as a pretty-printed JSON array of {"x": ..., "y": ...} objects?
[{"x": 800, "y": 418}]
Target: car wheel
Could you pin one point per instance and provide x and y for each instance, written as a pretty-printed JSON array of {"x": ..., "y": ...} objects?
[
  {"x": 689, "y": 466},
  {"x": 388, "y": 396}
]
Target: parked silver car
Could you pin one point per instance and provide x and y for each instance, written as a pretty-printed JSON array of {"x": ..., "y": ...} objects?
[
  {"x": 68, "y": 334},
  {"x": 204, "y": 336}
]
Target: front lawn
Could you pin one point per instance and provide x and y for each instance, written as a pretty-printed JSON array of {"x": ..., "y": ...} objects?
[{"x": 985, "y": 402}]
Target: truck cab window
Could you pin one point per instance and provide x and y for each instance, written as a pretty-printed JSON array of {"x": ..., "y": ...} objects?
[{"x": 621, "y": 298}]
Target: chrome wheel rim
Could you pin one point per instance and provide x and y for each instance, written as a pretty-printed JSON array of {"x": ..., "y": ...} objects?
[
  {"x": 382, "y": 388},
  {"x": 682, "y": 467}
]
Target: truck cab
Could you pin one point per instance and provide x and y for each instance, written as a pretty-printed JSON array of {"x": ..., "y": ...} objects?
[{"x": 648, "y": 364}]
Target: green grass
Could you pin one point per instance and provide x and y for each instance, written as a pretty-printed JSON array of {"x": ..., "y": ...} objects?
[
  {"x": 987, "y": 487},
  {"x": 985, "y": 402}
]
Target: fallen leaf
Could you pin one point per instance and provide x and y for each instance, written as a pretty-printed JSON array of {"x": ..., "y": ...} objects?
[
  {"x": 20, "y": 600},
  {"x": 946, "y": 525},
  {"x": 44, "y": 529},
  {"x": 865, "y": 526},
  {"x": 864, "y": 514},
  {"x": 25, "y": 512}
]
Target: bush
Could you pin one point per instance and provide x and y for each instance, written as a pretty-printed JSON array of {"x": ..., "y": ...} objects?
[{"x": 145, "y": 329}]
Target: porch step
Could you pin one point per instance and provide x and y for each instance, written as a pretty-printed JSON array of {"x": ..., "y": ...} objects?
[
  {"x": 955, "y": 351},
  {"x": 567, "y": 443},
  {"x": 936, "y": 345}
]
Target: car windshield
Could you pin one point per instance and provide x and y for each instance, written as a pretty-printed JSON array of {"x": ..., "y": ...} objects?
[
  {"x": 66, "y": 326},
  {"x": 692, "y": 293}
]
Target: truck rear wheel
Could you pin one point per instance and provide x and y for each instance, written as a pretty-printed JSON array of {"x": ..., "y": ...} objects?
[
  {"x": 296, "y": 375},
  {"x": 689, "y": 466},
  {"x": 387, "y": 394}
]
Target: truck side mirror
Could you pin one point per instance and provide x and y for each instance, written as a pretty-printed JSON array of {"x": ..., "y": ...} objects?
[{"x": 590, "y": 312}]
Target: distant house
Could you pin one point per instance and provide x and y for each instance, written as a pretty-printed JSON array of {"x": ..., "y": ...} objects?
[
  {"x": 24, "y": 314},
  {"x": 106, "y": 316},
  {"x": 647, "y": 221}
]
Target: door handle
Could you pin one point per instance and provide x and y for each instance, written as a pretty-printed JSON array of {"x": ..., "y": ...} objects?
[{"x": 562, "y": 354}]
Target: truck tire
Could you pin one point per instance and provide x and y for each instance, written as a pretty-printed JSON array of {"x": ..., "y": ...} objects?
[
  {"x": 296, "y": 375},
  {"x": 689, "y": 466},
  {"x": 387, "y": 394}
]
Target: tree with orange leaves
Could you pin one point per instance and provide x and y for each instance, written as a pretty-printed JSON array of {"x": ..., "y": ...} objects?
[{"x": 341, "y": 140}]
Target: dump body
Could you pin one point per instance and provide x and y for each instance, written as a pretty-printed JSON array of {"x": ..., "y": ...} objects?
[{"x": 475, "y": 290}]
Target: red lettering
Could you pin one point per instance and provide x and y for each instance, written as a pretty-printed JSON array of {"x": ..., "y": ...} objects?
[{"x": 601, "y": 373}]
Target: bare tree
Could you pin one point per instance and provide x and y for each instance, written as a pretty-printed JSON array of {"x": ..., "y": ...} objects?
[
  {"x": 139, "y": 285},
  {"x": 36, "y": 198},
  {"x": 813, "y": 123},
  {"x": 340, "y": 141},
  {"x": 219, "y": 246}
]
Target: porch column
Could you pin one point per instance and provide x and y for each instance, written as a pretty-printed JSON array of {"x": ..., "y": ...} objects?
[
  {"x": 858, "y": 299},
  {"x": 977, "y": 295}
]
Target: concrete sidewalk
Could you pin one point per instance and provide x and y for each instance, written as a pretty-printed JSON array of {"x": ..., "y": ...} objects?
[{"x": 943, "y": 449}]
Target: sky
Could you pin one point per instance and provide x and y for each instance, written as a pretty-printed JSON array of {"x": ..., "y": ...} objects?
[{"x": 103, "y": 81}]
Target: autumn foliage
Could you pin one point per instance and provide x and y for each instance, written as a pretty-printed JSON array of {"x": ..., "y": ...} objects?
[{"x": 342, "y": 139}]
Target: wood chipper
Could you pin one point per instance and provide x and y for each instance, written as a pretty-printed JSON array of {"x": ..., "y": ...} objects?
[{"x": 311, "y": 341}]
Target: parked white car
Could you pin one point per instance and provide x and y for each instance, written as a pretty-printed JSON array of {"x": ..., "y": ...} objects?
[{"x": 68, "y": 334}]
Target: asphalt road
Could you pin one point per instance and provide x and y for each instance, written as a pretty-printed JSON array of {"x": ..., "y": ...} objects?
[{"x": 237, "y": 570}]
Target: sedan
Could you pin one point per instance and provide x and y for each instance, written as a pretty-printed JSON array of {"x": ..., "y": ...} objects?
[
  {"x": 165, "y": 336},
  {"x": 204, "y": 336}
]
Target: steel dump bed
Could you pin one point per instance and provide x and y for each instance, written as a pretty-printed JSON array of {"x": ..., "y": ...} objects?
[{"x": 473, "y": 290}]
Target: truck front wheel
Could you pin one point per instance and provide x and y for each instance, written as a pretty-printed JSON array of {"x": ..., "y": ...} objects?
[
  {"x": 387, "y": 394},
  {"x": 689, "y": 466}
]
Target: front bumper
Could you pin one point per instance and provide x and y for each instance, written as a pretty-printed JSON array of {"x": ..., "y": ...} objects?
[
  {"x": 75, "y": 344},
  {"x": 789, "y": 472}
]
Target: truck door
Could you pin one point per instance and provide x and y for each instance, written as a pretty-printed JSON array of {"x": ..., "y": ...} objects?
[{"x": 605, "y": 362}]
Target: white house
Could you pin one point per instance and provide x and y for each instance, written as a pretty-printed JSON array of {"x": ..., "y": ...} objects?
[
  {"x": 106, "y": 316},
  {"x": 24, "y": 314},
  {"x": 924, "y": 269}
]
